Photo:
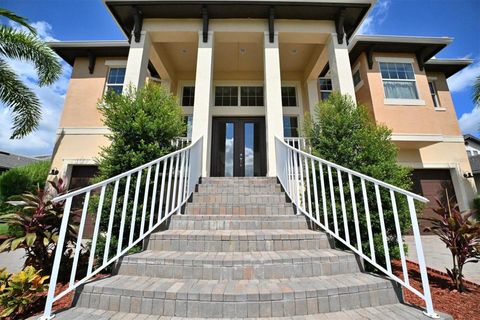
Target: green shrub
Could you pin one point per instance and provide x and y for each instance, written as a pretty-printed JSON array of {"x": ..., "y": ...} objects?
[
  {"x": 344, "y": 133},
  {"x": 142, "y": 124},
  {"x": 19, "y": 292}
]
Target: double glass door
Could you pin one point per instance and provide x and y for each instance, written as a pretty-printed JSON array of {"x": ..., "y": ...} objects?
[{"x": 238, "y": 147}]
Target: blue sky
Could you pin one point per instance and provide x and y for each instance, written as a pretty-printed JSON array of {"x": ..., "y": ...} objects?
[{"x": 89, "y": 20}]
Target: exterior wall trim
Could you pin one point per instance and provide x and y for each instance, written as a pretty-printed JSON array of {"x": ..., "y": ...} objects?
[
  {"x": 394, "y": 59},
  {"x": 426, "y": 137},
  {"x": 116, "y": 63},
  {"x": 84, "y": 131}
]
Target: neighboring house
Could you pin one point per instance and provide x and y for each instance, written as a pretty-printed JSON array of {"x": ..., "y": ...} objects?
[
  {"x": 10, "y": 160},
  {"x": 472, "y": 145}
]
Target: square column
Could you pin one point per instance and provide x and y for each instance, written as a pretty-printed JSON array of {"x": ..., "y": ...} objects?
[
  {"x": 313, "y": 95},
  {"x": 137, "y": 63},
  {"x": 273, "y": 100},
  {"x": 339, "y": 61},
  {"x": 201, "y": 122}
]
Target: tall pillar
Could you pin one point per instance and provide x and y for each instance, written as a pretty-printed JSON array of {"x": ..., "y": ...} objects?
[
  {"x": 273, "y": 100},
  {"x": 137, "y": 63},
  {"x": 313, "y": 95},
  {"x": 339, "y": 62},
  {"x": 201, "y": 122}
]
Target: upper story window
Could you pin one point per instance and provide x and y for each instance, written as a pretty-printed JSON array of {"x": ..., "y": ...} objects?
[
  {"x": 251, "y": 96},
  {"x": 188, "y": 120},
  {"x": 188, "y": 96},
  {"x": 115, "y": 79},
  {"x": 399, "y": 80},
  {"x": 434, "y": 94},
  {"x": 289, "y": 97},
  {"x": 357, "y": 78},
  {"x": 226, "y": 96},
  {"x": 290, "y": 126},
  {"x": 325, "y": 88}
]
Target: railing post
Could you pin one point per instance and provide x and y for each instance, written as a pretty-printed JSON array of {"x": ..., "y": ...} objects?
[
  {"x": 421, "y": 260},
  {"x": 47, "y": 314}
]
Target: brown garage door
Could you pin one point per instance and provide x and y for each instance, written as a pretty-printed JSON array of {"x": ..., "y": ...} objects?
[
  {"x": 432, "y": 183},
  {"x": 81, "y": 177}
]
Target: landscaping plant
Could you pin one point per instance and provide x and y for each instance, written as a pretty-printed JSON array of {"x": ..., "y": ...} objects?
[
  {"x": 460, "y": 231},
  {"x": 20, "y": 292},
  {"x": 344, "y": 133},
  {"x": 37, "y": 223}
]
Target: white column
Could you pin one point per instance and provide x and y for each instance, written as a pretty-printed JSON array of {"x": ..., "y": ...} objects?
[
  {"x": 273, "y": 100},
  {"x": 137, "y": 63},
  {"x": 201, "y": 122},
  {"x": 339, "y": 62},
  {"x": 313, "y": 95}
]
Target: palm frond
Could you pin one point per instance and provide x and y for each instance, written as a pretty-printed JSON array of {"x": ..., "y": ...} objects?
[
  {"x": 23, "y": 103},
  {"x": 476, "y": 91},
  {"x": 18, "y": 19},
  {"x": 24, "y": 46}
]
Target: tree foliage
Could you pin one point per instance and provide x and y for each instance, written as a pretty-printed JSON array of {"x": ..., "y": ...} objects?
[
  {"x": 24, "y": 46},
  {"x": 343, "y": 133}
]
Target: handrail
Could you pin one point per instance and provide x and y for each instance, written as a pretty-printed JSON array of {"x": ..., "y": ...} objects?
[
  {"x": 175, "y": 174},
  {"x": 299, "y": 173}
]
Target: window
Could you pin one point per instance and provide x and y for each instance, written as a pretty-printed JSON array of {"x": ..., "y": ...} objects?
[
  {"x": 290, "y": 127},
  {"x": 188, "y": 121},
  {"x": 188, "y": 96},
  {"x": 289, "y": 97},
  {"x": 398, "y": 80},
  {"x": 115, "y": 79},
  {"x": 251, "y": 96},
  {"x": 226, "y": 96},
  {"x": 356, "y": 78},
  {"x": 433, "y": 93},
  {"x": 325, "y": 88}
]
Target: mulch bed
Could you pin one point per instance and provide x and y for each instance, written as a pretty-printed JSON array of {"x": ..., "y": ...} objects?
[{"x": 461, "y": 306}]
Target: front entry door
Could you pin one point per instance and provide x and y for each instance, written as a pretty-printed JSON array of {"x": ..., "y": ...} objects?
[{"x": 238, "y": 147}]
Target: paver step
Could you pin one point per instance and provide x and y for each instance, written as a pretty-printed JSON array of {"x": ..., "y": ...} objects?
[
  {"x": 242, "y": 298},
  {"x": 395, "y": 311},
  {"x": 239, "y": 265},
  {"x": 240, "y": 209},
  {"x": 236, "y": 222},
  {"x": 243, "y": 199},
  {"x": 237, "y": 240},
  {"x": 246, "y": 181},
  {"x": 238, "y": 189}
]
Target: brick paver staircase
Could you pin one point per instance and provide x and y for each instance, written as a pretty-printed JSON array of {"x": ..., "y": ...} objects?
[{"x": 238, "y": 251}]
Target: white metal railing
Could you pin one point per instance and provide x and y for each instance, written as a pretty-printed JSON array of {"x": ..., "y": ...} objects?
[
  {"x": 298, "y": 143},
  {"x": 174, "y": 178},
  {"x": 181, "y": 142},
  {"x": 317, "y": 189}
]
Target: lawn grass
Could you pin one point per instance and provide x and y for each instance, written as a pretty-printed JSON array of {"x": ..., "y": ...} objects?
[{"x": 3, "y": 229}]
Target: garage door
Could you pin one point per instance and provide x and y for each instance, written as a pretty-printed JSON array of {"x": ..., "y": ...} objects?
[{"x": 432, "y": 183}]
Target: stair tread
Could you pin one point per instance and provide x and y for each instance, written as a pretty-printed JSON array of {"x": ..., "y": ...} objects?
[
  {"x": 397, "y": 311},
  {"x": 238, "y": 258},
  {"x": 229, "y": 217},
  {"x": 241, "y": 234}
]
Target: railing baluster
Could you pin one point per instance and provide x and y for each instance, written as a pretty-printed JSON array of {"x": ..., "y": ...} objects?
[
  {"x": 302, "y": 182},
  {"x": 290, "y": 173},
  {"x": 124, "y": 213},
  {"x": 315, "y": 194},
  {"x": 399, "y": 238},
  {"x": 297, "y": 196},
  {"x": 355, "y": 213},
  {"x": 332, "y": 200},
  {"x": 135, "y": 206},
  {"x": 382, "y": 228},
  {"x": 96, "y": 230},
  {"x": 175, "y": 182},
  {"x": 78, "y": 246},
  {"x": 344, "y": 210},
  {"x": 309, "y": 197},
  {"x": 324, "y": 196},
  {"x": 162, "y": 193},
  {"x": 180, "y": 183},
  {"x": 167, "y": 203},
  {"x": 369, "y": 224},
  {"x": 187, "y": 175},
  {"x": 145, "y": 201},
  {"x": 110, "y": 222},
  {"x": 154, "y": 196}
]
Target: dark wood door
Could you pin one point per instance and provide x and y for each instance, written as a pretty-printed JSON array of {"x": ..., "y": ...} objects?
[{"x": 238, "y": 147}]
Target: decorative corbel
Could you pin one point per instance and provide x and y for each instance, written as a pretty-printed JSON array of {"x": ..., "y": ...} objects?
[
  {"x": 91, "y": 62},
  {"x": 370, "y": 58},
  {"x": 339, "y": 25},
  {"x": 421, "y": 58},
  {"x": 271, "y": 26},
  {"x": 137, "y": 24},
  {"x": 205, "y": 24}
]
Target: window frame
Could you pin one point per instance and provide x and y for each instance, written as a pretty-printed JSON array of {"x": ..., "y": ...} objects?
[
  {"x": 400, "y": 101},
  {"x": 296, "y": 95},
  {"x": 114, "y": 64},
  {"x": 239, "y": 87},
  {"x": 360, "y": 83},
  {"x": 437, "y": 106},
  {"x": 325, "y": 90},
  {"x": 183, "y": 93}
]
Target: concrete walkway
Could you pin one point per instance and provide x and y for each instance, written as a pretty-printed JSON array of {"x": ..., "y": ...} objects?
[
  {"x": 13, "y": 261},
  {"x": 438, "y": 257}
]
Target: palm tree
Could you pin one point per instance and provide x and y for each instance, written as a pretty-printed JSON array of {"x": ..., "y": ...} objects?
[
  {"x": 476, "y": 91},
  {"x": 25, "y": 46}
]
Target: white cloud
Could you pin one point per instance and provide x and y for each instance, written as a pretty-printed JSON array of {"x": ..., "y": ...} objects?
[
  {"x": 376, "y": 17},
  {"x": 470, "y": 122},
  {"x": 465, "y": 78},
  {"x": 41, "y": 141}
]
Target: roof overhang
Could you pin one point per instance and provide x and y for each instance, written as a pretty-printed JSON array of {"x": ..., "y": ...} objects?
[
  {"x": 354, "y": 10},
  {"x": 69, "y": 50},
  {"x": 423, "y": 47},
  {"x": 417, "y": 141},
  {"x": 447, "y": 66}
]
